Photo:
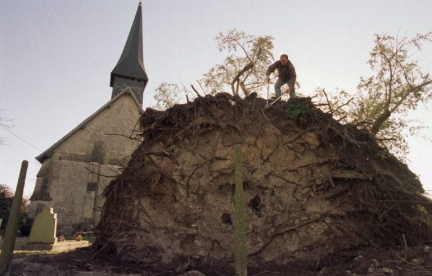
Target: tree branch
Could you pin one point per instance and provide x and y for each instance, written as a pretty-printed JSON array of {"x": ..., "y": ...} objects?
[
  {"x": 193, "y": 88},
  {"x": 239, "y": 74}
]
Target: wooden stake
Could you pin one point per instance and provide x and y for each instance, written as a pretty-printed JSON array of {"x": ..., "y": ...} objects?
[
  {"x": 239, "y": 227},
  {"x": 12, "y": 225}
]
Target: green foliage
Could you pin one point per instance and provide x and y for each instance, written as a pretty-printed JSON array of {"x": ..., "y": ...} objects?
[
  {"x": 6, "y": 196},
  {"x": 295, "y": 109},
  {"x": 6, "y": 199},
  {"x": 383, "y": 101}
]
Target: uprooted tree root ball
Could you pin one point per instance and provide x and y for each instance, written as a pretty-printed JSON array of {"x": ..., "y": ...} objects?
[{"x": 312, "y": 187}]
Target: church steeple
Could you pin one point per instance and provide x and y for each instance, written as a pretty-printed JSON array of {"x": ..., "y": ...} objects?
[{"x": 130, "y": 71}]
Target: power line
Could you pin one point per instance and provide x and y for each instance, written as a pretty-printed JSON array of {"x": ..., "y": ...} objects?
[{"x": 20, "y": 138}]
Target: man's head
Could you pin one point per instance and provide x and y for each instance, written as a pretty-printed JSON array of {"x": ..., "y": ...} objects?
[{"x": 284, "y": 59}]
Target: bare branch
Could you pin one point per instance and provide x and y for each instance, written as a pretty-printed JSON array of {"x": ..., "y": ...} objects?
[{"x": 193, "y": 88}]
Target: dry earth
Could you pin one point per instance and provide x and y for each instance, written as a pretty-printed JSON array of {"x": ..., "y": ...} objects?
[
  {"x": 312, "y": 188},
  {"x": 365, "y": 261}
]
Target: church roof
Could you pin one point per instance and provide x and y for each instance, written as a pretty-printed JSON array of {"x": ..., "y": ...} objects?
[
  {"x": 49, "y": 152},
  {"x": 131, "y": 63}
]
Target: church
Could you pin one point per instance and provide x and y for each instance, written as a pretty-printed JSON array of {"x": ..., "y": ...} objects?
[{"x": 76, "y": 169}]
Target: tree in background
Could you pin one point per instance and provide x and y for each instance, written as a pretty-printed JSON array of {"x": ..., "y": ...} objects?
[
  {"x": 6, "y": 199},
  {"x": 244, "y": 68},
  {"x": 6, "y": 196},
  {"x": 241, "y": 73},
  {"x": 168, "y": 94},
  {"x": 396, "y": 86}
]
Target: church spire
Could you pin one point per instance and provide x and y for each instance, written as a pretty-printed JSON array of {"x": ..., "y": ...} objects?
[{"x": 130, "y": 71}]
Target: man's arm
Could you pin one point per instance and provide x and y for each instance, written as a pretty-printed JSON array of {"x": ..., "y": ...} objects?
[
  {"x": 271, "y": 68},
  {"x": 292, "y": 77}
]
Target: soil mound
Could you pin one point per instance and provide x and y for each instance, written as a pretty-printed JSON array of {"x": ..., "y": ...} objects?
[{"x": 312, "y": 188}]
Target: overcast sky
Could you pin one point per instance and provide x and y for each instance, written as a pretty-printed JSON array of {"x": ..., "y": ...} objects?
[{"x": 56, "y": 57}]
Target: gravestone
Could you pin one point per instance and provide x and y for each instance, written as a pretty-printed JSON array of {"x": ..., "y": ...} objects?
[
  {"x": 43, "y": 234},
  {"x": 44, "y": 228}
]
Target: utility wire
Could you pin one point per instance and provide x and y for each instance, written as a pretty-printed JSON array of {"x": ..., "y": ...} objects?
[{"x": 5, "y": 128}]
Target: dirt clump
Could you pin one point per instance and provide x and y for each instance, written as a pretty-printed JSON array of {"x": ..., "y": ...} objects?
[{"x": 313, "y": 189}]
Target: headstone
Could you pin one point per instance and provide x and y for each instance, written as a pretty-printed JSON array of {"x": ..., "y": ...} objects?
[
  {"x": 44, "y": 228},
  {"x": 43, "y": 234}
]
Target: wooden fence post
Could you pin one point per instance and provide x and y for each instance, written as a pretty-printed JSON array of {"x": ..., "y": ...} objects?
[
  {"x": 239, "y": 227},
  {"x": 12, "y": 225}
]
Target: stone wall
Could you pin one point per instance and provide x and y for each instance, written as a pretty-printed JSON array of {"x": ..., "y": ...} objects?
[
  {"x": 72, "y": 180},
  {"x": 121, "y": 83}
]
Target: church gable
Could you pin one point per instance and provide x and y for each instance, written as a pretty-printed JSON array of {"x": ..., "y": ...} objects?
[
  {"x": 83, "y": 162},
  {"x": 103, "y": 135},
  {"x": 104, "y": 139}
]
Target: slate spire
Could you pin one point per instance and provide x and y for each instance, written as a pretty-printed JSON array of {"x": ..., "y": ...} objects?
[{"x": 130, "y": 71}]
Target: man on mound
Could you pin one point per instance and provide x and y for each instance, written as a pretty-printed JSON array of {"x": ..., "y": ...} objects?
[{"x": 287, "y": 75}]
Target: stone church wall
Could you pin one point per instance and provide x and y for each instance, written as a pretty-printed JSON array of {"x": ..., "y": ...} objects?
[{"x": 72, "y": 180}]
